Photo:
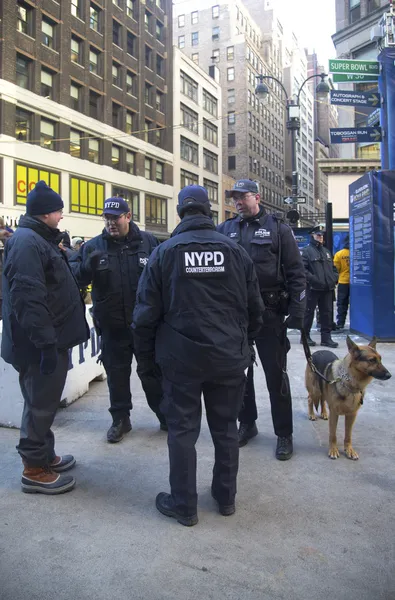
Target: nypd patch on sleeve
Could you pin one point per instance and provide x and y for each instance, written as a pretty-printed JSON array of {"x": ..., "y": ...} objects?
[{"x": 203, "y": 263}]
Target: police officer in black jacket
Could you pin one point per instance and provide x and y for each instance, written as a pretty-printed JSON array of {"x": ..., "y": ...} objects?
[
  {"x": 278, "y": 264},
  {"x": 198, "y": 306},
  {"x": 44, "y": 316},
  {"x": 113, "y": 263},
  {"x": 322, "y": 276}
]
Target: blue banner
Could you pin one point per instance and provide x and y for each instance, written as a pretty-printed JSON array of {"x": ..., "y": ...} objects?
[{"x": 387, "y": 116}]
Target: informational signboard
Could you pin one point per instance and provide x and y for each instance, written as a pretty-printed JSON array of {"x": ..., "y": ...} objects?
[
  {"x": 302, "y": 236},
  {"x": 372, "y": 280},
  {"x": 350, "y": 98},
  {"x": 361, "y": 67},
  {"x": 354, "y": 77},
  {"x": 373, "y": 118},
  {"x": 349, "y": 135}
]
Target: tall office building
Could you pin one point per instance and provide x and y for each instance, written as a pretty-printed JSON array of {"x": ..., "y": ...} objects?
[
  {"x": 85, "y": 105},
  {"x": 226, "y": 36}
]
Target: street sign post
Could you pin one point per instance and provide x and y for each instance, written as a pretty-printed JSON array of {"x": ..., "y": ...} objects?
[
  {"x": 361, "y": 67},
  {"x": 373, "y": 118},
  {"x": 349, "y": 135},
  {"x": 350, "y": 98},
  {"x": 354, "y": 77},
  {"x": 295, "y": 200}
]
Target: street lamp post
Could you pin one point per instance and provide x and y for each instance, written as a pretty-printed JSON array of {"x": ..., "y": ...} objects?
[{"x": 292, "y": 124}]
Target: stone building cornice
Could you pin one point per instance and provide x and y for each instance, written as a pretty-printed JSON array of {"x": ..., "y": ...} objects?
[{"x": 348, "y": 165}]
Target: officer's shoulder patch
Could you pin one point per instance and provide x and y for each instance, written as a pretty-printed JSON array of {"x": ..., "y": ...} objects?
[{"x": 203, "y": 263}]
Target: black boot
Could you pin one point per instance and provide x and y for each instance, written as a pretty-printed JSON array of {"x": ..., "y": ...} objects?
[
  {"x": 284, "y": 448},
  {"x": 329, "y": 343},
  {"x": 310, "y": 342},
  {"x": 117, "y": 429},
  {"x": 165, "y": 504},
  {"x": 224, "y": 509},
  {"x": 246, "y": 432}
]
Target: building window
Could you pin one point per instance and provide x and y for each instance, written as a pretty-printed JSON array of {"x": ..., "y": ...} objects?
[
  {"x": 94, "y": 61},
  {"x": 159, "y": 102},
  {"x": 230, "y": 52},
  {"x": 27, "y": 177},
  {"x": 232, "y": 140},
  {"x": 116, "y": 75},
  {"x": 23, "y": 124},
  {"x": 115, "y": 157},
  {"x": 75, "y": 96},
  {"x": 159, "y": 31},
  {"x": 148, "y": 95},
  {"x": 131, "y": 44},
  {"x": 215, "y": 55},
  {"x": 148, "y": 57},
  {"x": 212, "y": 190},
  {"x": 148, "y": 168},
  {"x": 76, "y": 50},
  {"x": 231, "y": 96},
  {"x": 48, "y": 33},
  {"x": 181, "y": 41},
  {"x": 189, "y": 119},
  {"x": 75, "y": 143},
  {"x": 95, "y": 18},
  {"x": 195, "y": 58},
  {"x": 160, "y": 4},
  {"x": 373, "y": 5},
  {"x": 22, "y": 72},
  {"x": 147, "y": 127},
  {"x": 231, "y": 73},
  {"x": 160, "y": 62},
  {"x": 214, "y": 216},
  {"x": 148, "y": 21},
  {"x": 189, "y": 151},
  {"x": 215, "y": 11},
  {"x": 93, "y": 150},
  {"x": 210, "y": 132},
  {"x": 129, "y": 122},
  {"x": 215, "y": 33},
  {"x": 210, "y": 104},
  {"x": 181, "y": 20},
  {"x": 116, "y": 33},
  {"x": 46, "y": 83},
  {"x": 194, "y": 17},
  {"x": 86, "y": 196},
  {"x": 130, "y": 162},
  {"x": 131, "y": 197},
  {"x": 232, "y": 117},
  {"x": 195, "y": 38},
  {"x": 25, "y": 18},
  {"x": 210, "y": 161},
  {"x": 155, "y": 211},
  {"x": 116, "y": 115},
  {"x": 355, "y": 10},
  {"x": 94, "y": 101},
  {"x": 159, "y": 172},
  {"x": 47, "y": 134},
  {"x": 189, "y": 87},
  {"x": 131, "y": 83},
  {"x": 76, "y": 8},
  {"x": 118, "y": 3},
  {"x": 188, "y": 178}
]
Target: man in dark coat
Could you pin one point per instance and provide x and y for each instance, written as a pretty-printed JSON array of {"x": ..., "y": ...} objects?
[
  {"x": 198, "y": 306},
  {"x": 44, "y": 316},
  {"x": 321, "y": 276},
  {"x": 113, "y": 262}
]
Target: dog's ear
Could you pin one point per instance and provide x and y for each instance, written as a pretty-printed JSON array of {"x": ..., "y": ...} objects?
[
  {"x": 352, "y": 346},
  {"x": 372, "y": 343}
]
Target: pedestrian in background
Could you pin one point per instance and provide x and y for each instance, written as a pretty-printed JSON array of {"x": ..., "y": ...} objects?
[
  {"x": 113, "y": 263},
  {"x": 198, "y": 309},
  {"x": 44, "y": 316},
  {"x": 5, "y": 234},
  {"x": 341, "y": 261}
]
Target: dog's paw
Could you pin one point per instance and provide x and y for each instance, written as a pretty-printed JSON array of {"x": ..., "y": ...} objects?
[
  {"x": 312, "y": 417},
  {"x": 324, "y": 416},
  {"x": 350, "y": 453},
  {"x": 333, "y": 452}
]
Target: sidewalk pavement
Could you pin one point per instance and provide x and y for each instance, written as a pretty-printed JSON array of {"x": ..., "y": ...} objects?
[{"x": 306, "y": 529}]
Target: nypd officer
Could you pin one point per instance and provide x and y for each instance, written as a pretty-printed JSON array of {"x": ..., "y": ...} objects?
[
  {"x": 273, "y": 249},
  {"x": 113, "y": 262},
  {"x": 198, "y": 305}
]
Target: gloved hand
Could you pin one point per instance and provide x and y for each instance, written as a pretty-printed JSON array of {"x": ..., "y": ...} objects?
[
  {"x": 294, "y": 322},
  {"x": 92, "y": 260},
  {"x": 253, "y": 353},
  {"x": 49, "y": 360}
]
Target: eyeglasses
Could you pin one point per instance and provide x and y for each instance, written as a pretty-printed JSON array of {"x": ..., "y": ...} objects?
[
  {"x": 112, "y": 218},
  {"x": 242, "y": 196}
]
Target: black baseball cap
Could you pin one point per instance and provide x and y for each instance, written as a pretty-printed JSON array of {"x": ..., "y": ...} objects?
[{"x": 243, "y": 186}]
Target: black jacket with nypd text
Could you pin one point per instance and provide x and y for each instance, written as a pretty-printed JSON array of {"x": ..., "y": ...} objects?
[
  {"x": 321, "y": 273},
  {"x": 198, "y": 302},
  {"x": 261, "y": 238},
  {"x": 114, "y": 284}
]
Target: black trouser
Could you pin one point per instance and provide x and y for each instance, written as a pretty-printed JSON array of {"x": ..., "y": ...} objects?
[
  {"x": 117, "y": 355},
  {"x": 272, "y": 345},
  {"x": 343, "y": 298},
  {"x": 324, "y": 301},
  {"x": 182, "y": 408},
  {"x": 42, "y": 395}
]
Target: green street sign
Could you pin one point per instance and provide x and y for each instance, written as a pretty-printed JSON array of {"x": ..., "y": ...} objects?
[
  {"x": 361, "y": 67},
  {"x": 342, "y": 78}
]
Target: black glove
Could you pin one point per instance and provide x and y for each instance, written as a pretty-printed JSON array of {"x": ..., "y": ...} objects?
[
  {"x": 49, "y": 360},
  {"x": 294, "y": 322},
  {"x": 253, "y": 353},
  {"x": 93, "y": 260}
]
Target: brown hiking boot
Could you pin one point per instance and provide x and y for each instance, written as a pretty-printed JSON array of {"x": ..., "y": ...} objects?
[{"x": 42, "y": 480}]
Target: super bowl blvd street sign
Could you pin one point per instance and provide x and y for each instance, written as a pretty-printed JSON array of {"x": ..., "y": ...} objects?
[
  {"x": 361, "y": 67},
  {"x": 354, "y": 78},
  {"x": 350, "y": 98},
  {"x": 348, "y": 135},
  {"x": 295, "y": 200}
]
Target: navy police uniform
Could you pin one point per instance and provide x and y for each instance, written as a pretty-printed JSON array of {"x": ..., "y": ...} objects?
[
  {"x": 198, "y": 304},
  {"x": 273, "y": 249}
]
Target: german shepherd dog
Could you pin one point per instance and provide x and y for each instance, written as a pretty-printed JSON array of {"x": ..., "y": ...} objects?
[{"x": 344, "y": 395}]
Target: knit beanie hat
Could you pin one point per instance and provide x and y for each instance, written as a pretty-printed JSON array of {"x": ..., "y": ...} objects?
[{"x": 42, "y": 200}]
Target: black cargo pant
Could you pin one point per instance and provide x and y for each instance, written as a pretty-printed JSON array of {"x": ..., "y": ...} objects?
[
  {"x": 117, "y": 355},
  {"x": 42, "y": 395},
  {"x": 324, "y": 301},
  {"x": 182, "y": 408},
  {"x": 272, "y": 345},
  {"x": 343, "y": 298}
]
